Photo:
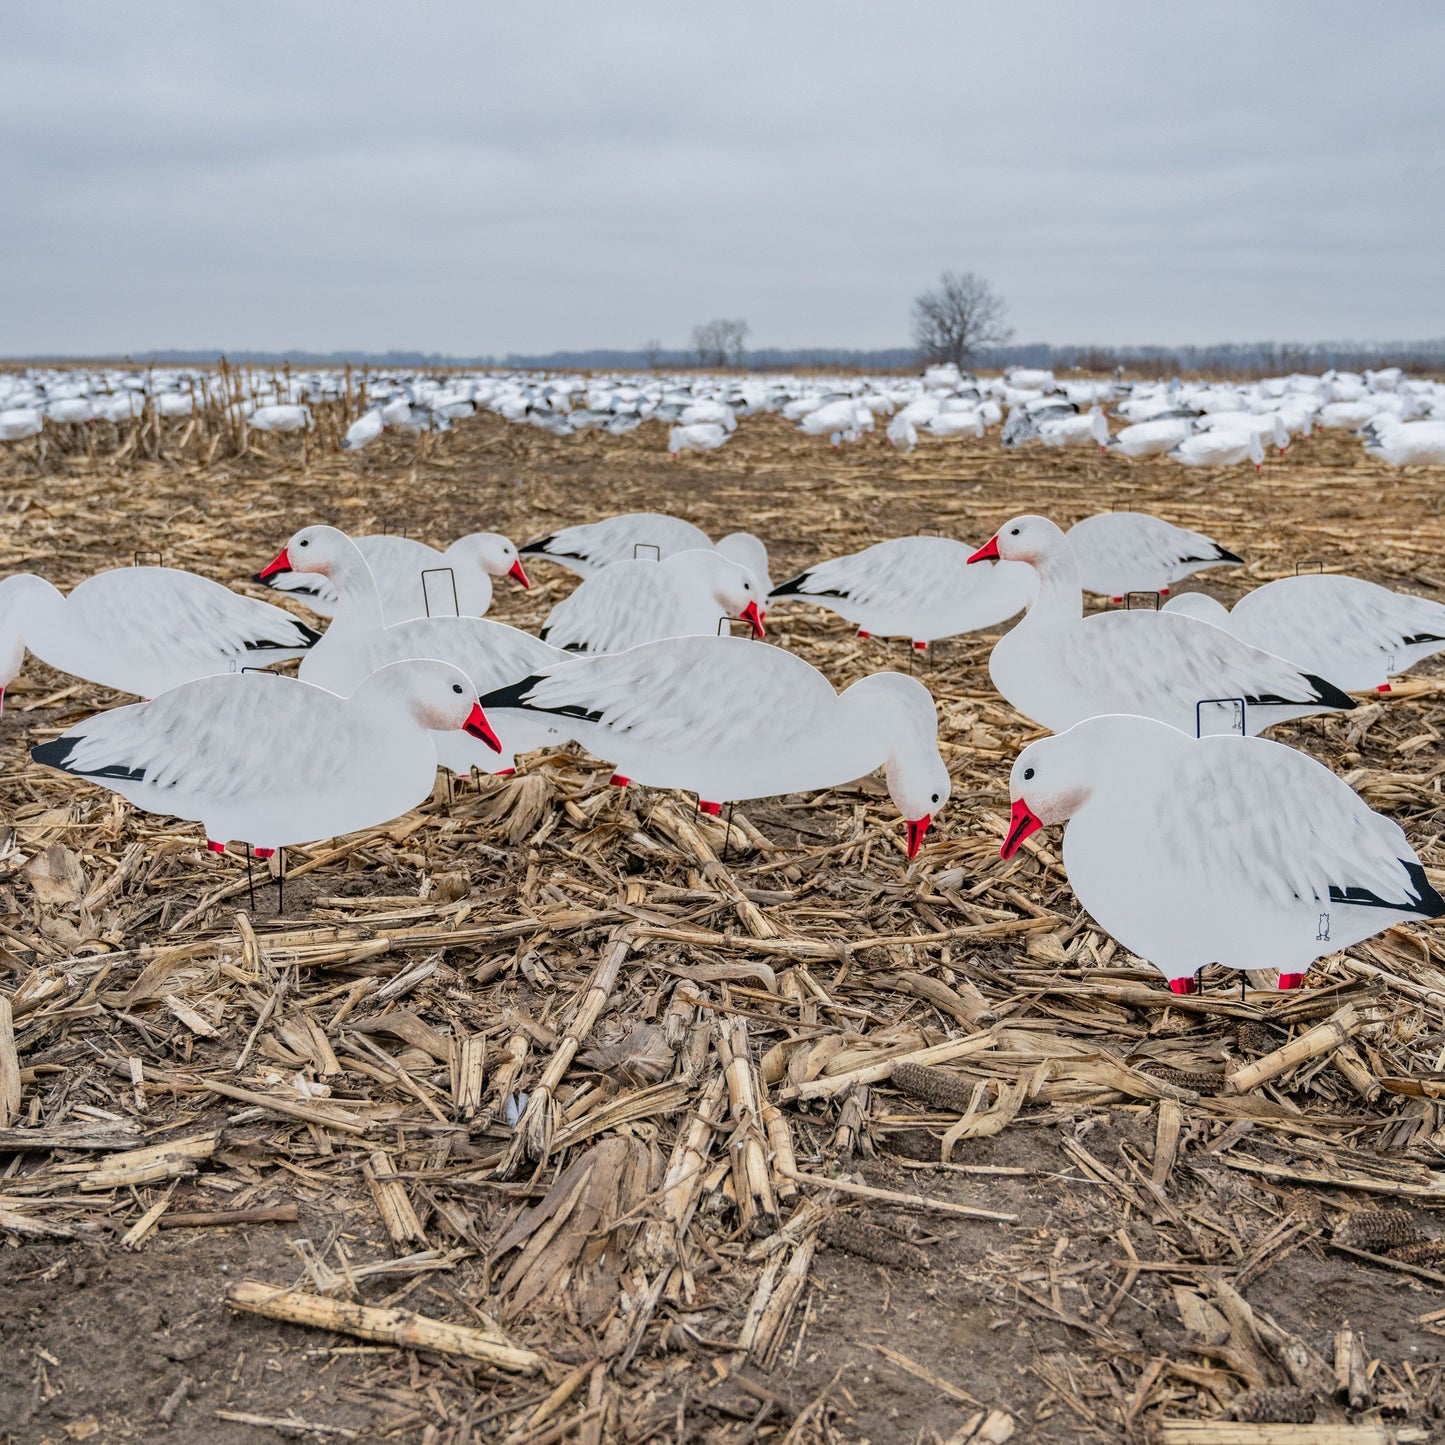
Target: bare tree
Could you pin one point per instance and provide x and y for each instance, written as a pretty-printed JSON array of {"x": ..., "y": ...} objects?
[
  {"x": 720, "y": 342},
  {"x": 961, "y": 314},
  {"x": 650, "y": 350}
]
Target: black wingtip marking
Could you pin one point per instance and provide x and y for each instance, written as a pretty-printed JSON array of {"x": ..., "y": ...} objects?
[
  {"x": 514, "y": 695},
  {"x": 796, "y": 588},
  {"x": 1329, "y": 694},
  {"x": 56, "y": 754},
  {"x": 1324, "y": 692},
  {"x": 308, "y": 637},
  {"x": 1425, "y": 902},
  {"x": 785, "y": 589},
  {"x": 1223, "y": 554},
  {"x": 264, "y": 581},
  {"x": 1430, "y": 904},
  {"x": 537, "y": 548}
]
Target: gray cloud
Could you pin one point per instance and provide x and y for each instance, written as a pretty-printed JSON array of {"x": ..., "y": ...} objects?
[{"x": 472, "y": 179}]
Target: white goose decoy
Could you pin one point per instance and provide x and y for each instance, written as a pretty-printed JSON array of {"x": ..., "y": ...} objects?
[
  {"x": 270, "y": 761},
  {"x": 1223, "y": 447},
  {"x": 415, "y": 580},
  {"x": 1151, "y": 438},
  {"x": 956, "y": 424},
  {"x": 1123, "y": 552},
  {"x": 359, "y": 643},
  {"x": 19, "y": 422},
  {"x": 902, "y": 434},
  {"x": 280, "y": 418},
  {"x": 647, "y": 536},
  {"x": 727, "y": 720},
  {"x": 1269, "y": 426},
  {"x": 748, "y": 551},
  {"x": 1398, "y": 443},
  {"x": 1059, "y": 667},
  {"x": 1346, "y": 629},
  {"x": 1228, "y": 850},
  {"x": 689, "y": 594},
  {"x": 703, "y": 436},
  {"x": 142, "y": 630},
  {"x": 916, "y": 587},
  {"x": 1076, "y": 430},
  {"x": 366, "y": 428},
  {"x": 589, "y": 547}
]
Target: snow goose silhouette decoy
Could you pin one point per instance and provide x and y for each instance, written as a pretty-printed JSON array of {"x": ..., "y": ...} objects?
[
  {"x": 1346, "y": 629},
  {"x": 1222, "y": 447},
  {"x": 358, "y": 643},
  {"x": 19, "y": 422},
  {"x": 688, "y": 594},
  {"x": 1151, "y": 438},
  {"x": 270, "y": 761},
  {"x": 1228, "y": 850},
  {"x": 748, "y": 551},
  {"x": 703, "y": 436},
  {"x": 142, "y": 630},
  {"x": 589, "y": 547},
  {"x": 364, "y": 430},
  {"x": 1058, "y": 666},
  {"x": 1123, "y": 552},
  {"x": 916, "y": 587},
  {"x": 1075, "y": 430},
  {"x": 728, "y": 720},
  {"x": 1401, "y": 443},
  {"x": 415, "y": 580}
]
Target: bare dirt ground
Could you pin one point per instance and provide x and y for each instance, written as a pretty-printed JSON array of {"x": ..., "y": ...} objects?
[{"x": 638, "y": 1262}]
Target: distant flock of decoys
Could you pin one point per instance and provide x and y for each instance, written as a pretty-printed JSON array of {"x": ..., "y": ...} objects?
[
  {"x": 1400, "y": 419},
  {"x": 1188, "y": 838}
]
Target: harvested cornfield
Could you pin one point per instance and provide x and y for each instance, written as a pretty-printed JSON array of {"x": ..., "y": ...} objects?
[{"x": 816, "y": 1145}]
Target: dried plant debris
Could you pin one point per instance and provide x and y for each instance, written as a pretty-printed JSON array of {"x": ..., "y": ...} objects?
[
  {"x": 554, "y": 1111},
  {"x": 868, "y": 1241},
  {"x": 1280, "y": 1405},
  {"x": 1378, "y": 1229}
]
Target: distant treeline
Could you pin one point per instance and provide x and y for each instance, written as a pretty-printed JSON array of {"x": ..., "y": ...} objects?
[{"x": 1262, "y": 358}]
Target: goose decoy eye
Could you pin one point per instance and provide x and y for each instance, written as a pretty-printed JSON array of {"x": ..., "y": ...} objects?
[
  {"x": 1028, "y": 773},
  {"x": 1013, "y": 532},
  {"x": 456, "y": 687},
  {"x": 303, "y": 544},
  {"x": 935, "y": 797}
]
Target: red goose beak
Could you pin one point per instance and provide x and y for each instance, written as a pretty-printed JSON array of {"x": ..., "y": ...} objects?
[
  {"x": 754, "y": 618},
  {"x": 478, "y": 726},
  {"x": 988, "y": 552},
  {"x": 519, "y": 572},
  {"x": 1021, "y": 824},
  {"x": 281, "y": 564},
  {"x": 917, "y": 827}
]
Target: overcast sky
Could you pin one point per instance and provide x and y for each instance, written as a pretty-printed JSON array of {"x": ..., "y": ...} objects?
[{"x": 489, "y": 178}]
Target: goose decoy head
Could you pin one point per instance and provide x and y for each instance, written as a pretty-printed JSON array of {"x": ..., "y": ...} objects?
[
  {"x": 312, "y": 549},
  {"x": 1022, "y": 540},
  {"x": 1048, "y": 785},
  {"x": 734, "y": 588},
  {"x": 496, "y": 554},
  {"x": 441, "y": 697}
]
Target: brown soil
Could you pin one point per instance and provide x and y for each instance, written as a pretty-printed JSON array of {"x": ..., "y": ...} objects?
[{"x": 1109, "y": 1302}]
